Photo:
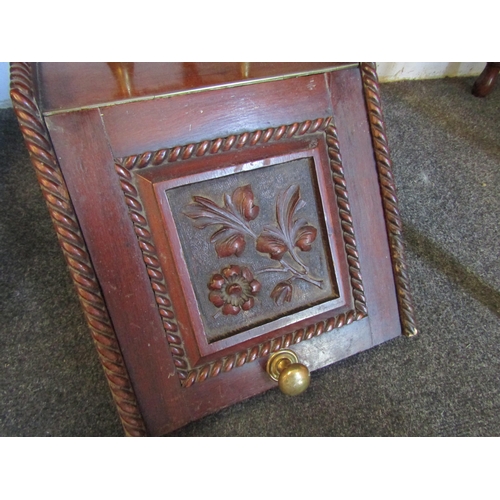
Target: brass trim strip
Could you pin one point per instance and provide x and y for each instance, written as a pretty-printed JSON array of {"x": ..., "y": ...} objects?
[{"x": 204, "y": 89}]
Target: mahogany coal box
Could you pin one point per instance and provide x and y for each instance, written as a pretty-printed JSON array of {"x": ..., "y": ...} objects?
[{"x": 229, "y": 227}]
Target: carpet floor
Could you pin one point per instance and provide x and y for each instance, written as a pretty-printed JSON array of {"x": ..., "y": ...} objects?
[{"x": 445, "y": 147}]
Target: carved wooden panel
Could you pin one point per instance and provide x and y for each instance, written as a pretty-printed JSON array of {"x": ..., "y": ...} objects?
[
  {"x": 246, "y": 237},
  {"x": 259, "y": 252}
]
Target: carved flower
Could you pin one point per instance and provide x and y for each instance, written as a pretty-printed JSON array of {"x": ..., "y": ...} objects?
[{"x": 233, "y": 289}]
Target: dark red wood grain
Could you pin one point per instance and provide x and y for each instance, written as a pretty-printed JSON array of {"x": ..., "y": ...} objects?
[
  {"x": 366, "y": 204},
  {"x": 77, "y": 85},
  {"x": 485, "y": 82},
  {"x": 194, "y": 118}
]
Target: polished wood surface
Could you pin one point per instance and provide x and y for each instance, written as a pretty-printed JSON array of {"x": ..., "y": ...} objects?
[
  {"x": 217, "y": 113},
  {"x": 112, "y": 157},
  {"x": 485, "y": 82},
  {"x": 65, "y": 86}
]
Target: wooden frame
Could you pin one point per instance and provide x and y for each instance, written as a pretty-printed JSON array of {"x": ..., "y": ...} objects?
[{"x": 313, "y": 135}]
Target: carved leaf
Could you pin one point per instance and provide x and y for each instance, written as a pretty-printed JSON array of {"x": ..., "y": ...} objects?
[
  {"x": 290, "y": 232},
  {"x": 282, "y": 293},
  {"x": 269, "y": 242},
  {"x": 233, "y": 216},
  {"x": 228, "y": 242},
  {"x": 305, "y": 236},
  {"x": 243, "y": 199},
  {"x": 206, "y": 212},
  {"x": 289, "y": 202}
]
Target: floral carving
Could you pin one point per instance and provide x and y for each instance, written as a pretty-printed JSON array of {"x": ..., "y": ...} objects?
[
  {"x": 233, "y": 289},
  {"x": 289, "y": 235},
  {"x": 134, "y": 163},
  {"x": 285, "y": 237},
  {"x": 233, "y": 217}
]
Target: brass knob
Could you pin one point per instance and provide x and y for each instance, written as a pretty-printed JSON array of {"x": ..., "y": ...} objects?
[{"x": 293, "y": 377}]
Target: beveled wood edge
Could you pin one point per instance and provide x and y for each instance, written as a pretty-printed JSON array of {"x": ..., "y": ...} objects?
[
  {"x": 392, "y": 216},
  {"x": 73, "y": 246},
  {"x": 124, "y": 167}
]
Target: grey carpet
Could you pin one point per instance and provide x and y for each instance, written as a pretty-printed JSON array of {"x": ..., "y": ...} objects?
[{"x": 446, "y": 152}]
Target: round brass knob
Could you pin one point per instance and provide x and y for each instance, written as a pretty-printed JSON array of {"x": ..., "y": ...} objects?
[{"x": 293, "y": 377}]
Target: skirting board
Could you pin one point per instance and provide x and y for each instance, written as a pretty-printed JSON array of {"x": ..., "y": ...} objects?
[{"x": 393, "y": 71}]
